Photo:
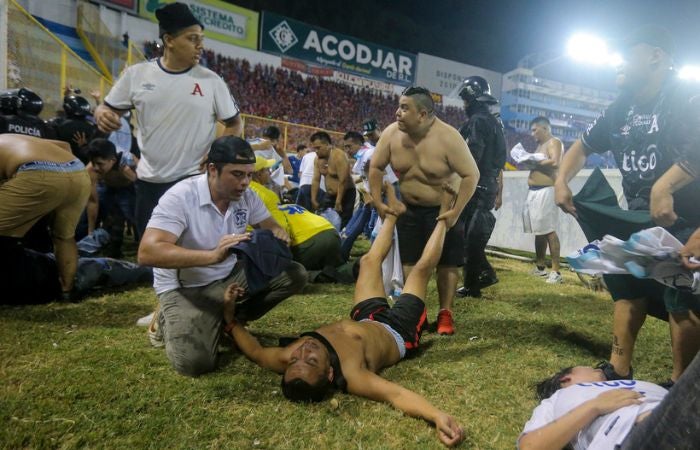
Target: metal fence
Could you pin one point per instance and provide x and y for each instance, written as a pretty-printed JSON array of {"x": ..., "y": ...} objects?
[{"x": 292, "y": 134}]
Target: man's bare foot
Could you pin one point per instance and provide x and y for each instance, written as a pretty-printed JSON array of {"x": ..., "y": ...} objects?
[
  {"x": 449, "y": 196},
  {"x": 392, "y": 201}
]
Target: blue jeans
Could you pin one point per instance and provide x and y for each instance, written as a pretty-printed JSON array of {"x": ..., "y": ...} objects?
[
  {"x": 117, "y": 205},
  {"x": 304, "y": 197},
  {"x": 355, "y": 226}
]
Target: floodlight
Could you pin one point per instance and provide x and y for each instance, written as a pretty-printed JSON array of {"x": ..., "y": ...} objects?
[
  {"x": 588, "y": 48},
  {"x": 615, "y": 59},
  {"x": 689, "y": 73}
]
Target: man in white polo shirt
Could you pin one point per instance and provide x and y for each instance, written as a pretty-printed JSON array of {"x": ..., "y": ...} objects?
[
  {"x": 177, "y": 102},
  {"x": 189, "y": 240}
]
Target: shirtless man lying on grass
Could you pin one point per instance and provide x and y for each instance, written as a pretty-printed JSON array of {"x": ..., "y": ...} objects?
[{"x": 346, "y": 355}]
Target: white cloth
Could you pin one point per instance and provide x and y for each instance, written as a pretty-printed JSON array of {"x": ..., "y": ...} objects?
[
  {"x": 651, "y": 253},
  {"x": 357, "y": 167},
  {"x": 607, "y": 431},
  {"x": 277, "y": 176},
  {"x": 267, "y": 153},
  {"x": 522, "y": 156},
  {"x": 176, "y": 116},
  {"x": 362, "y": 163},
  {"x": 541, "y": 214},
  {"x": 187, "y": 211},
  {"x": 392, "y": 270},
  {"x": 306, "y": 171},
  {"x": 122, "y": 137}
]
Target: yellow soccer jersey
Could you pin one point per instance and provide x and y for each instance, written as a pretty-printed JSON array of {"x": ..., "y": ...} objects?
[{"x": 300, "y": 224}]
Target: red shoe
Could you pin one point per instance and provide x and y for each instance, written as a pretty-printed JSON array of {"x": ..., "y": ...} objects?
[{"x": 445, "y": 324}]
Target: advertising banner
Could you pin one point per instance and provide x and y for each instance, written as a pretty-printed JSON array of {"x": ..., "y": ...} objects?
[
  {"x": 364, "y": 83},
  {"x": 222, "y": 21},
  {"x": 293, "y": 39},
  {"x": 441, "y": 75},
  {"x": 123, "y": 5}
]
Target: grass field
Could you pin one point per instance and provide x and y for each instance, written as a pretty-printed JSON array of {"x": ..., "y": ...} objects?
[{"x": 84, "y": 376}]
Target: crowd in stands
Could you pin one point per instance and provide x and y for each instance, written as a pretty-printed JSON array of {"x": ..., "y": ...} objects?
[
  {"x": 285, "y": 95},
  {"x": 281, "y": 94}
]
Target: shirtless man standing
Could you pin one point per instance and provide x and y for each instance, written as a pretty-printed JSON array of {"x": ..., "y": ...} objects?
[
  {"x": 38, "y": 178},
  {"x": 541, "y": 215},
  {"x": 340, "y": 190},
  {"x": 348, "y": 354},
  {"x": 426, "y": 152}
]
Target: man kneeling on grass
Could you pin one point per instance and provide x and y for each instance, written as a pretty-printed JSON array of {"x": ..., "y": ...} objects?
[{"x": 347, "y": 355}]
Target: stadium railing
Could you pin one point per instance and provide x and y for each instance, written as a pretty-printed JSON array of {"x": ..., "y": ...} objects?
[
  {"x": 292, "y": 134},
  {"x": 39, "y": 60}
]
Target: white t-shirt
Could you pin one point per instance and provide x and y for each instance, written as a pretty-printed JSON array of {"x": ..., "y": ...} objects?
[
  {"x": 268, "y": 153},
  {"x": 364, "y": 159},
  {"x": 187, "y": 211},
  {"x": 607, "y": 431},
  {"x": 306, "y": 171},
  {"x": 176, "y": 116}
]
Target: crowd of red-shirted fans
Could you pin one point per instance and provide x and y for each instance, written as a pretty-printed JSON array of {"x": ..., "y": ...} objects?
[
  {"x": 282, "y": 94},
  {"x": 286, "y": 95}
]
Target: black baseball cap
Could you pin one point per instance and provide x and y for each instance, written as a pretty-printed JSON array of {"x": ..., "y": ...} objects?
[
  {"x": 231, "y": 150},
  {"x": 653, "y": 35},
  {"x": 173, "y": 17},
  {"x": 369, "y": 126}
]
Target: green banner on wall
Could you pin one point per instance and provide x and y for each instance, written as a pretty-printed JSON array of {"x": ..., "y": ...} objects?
[
  {"x": 293, "y": 39},
  {"x": 222, "y": 21}
]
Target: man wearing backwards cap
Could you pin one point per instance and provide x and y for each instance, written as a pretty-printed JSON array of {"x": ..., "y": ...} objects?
[
  {"x": 189, "y": 240},
  {"x": 653, "y": 130},
  {"x": 178, "y": 104}
]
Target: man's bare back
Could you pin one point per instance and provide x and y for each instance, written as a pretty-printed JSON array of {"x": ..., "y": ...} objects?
[{"x": 16, "y": 150}]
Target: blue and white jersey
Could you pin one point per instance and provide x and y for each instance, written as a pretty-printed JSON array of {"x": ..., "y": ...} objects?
[{"x": 606, "y": 431}]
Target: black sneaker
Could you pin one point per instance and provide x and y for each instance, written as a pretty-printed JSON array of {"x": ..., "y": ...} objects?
[
  {"x": 609, "y": 371},
  {"x": 668, "y": 384},
  {"x": 468, "y": 292},
  {"x": 487, "y": 278}
]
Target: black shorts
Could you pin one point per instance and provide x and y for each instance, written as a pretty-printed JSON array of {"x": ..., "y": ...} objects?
[
  {"x": 661, "y": 299},
  {"x": 407, "y": 317},
  {"x": 414, "y": 228},
  {"x": 348, "y": 204}
]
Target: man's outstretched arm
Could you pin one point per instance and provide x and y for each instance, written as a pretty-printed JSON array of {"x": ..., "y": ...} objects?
[
  {"x": 372, "y": 386},
  {"x": 273, "y": 358}
]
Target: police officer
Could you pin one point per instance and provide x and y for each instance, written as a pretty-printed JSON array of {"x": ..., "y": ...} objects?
[
  {"x": 20, "y": 110},
  {"x": 76, "y": 128},
  {"x": 484, "y": 135}
]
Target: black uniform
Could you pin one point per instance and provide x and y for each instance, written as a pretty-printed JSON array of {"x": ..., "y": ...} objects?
[
  {"x": 25, "y": 124},
  {"x": 646, "y": 140},
  {"x": 484, "y": 135},
  {"x": 67, "y": 130}
]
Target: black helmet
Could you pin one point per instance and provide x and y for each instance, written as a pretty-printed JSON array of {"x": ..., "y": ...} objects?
[
  {"x": 76, "y": 106},
  {"x": 476, "y": 88},
  {"x": 30, "y": 103},
  {"x": 9, "y": 102},
  {"x": 21, "y": 100}
]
